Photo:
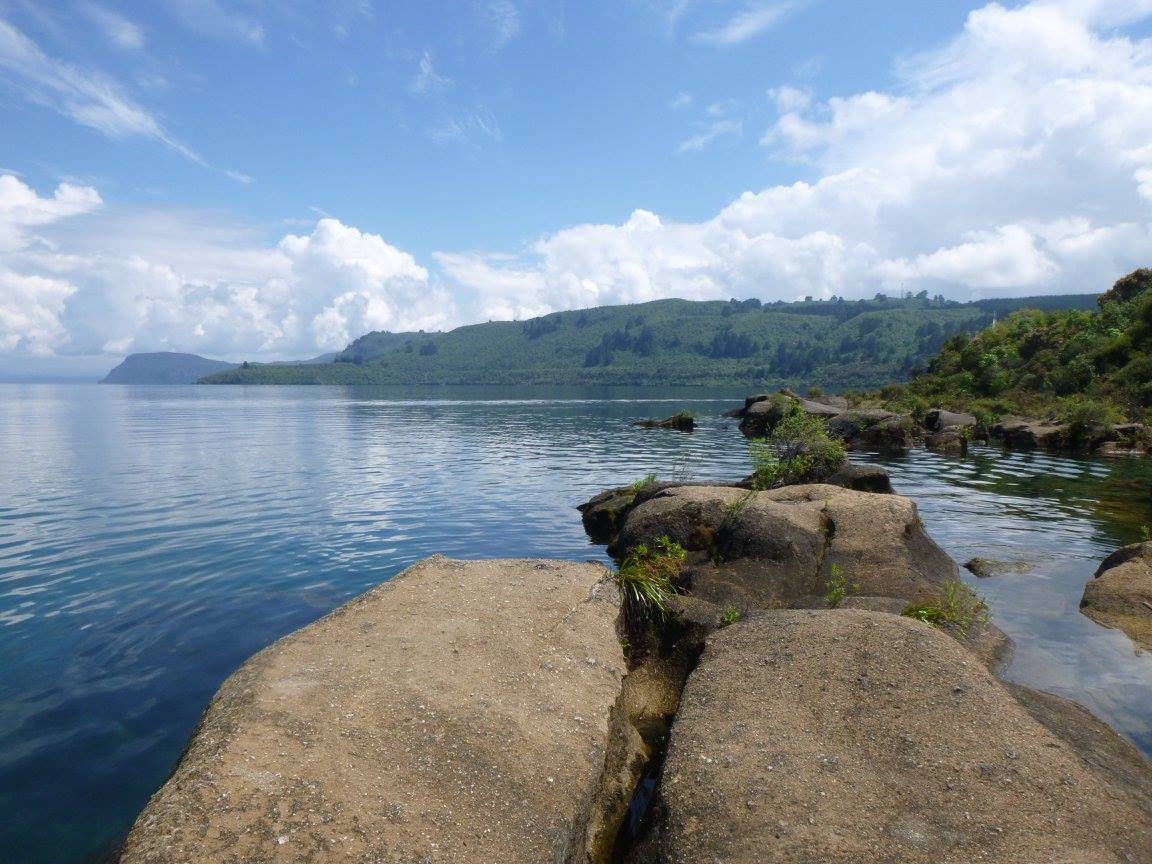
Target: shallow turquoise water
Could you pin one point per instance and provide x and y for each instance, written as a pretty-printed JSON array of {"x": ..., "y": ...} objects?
[{"x": 151, "y": 538}]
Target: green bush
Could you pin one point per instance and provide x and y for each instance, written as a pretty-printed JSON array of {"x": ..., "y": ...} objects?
[{"x": 798, "y": 450}]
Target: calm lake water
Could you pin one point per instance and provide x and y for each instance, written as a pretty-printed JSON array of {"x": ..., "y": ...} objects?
[{"x": 152, "y": 538}]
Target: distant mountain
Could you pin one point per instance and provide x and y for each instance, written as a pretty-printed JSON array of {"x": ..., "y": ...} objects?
[
  {"x": 164, "y": 367},
  {"x": 834, "y": 343}
]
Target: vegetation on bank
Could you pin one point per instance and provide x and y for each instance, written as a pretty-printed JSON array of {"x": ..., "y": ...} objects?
[
  {"x": 1089, "y": 369},
  {"x": 834, "y": 343}
]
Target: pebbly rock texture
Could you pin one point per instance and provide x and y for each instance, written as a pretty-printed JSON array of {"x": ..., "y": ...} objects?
[
  {"x": 765, "y": 550},
  {"x": 457, "y": 713},
  {"x": 849, "y": 736},
  {"x": 679, "y": 422},
  {"x": 1121, "y": 594}
]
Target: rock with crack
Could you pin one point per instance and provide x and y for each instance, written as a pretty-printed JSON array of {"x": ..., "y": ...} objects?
[
  {"x": 1121, "y": 594},
  {"x": 764, "y": 550},
  {"x": 457, "y": 713},
  {"x": 813, "y": 737}
]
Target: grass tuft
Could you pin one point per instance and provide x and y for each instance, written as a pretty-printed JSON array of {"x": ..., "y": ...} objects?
[{"x": 957, "y": 607}]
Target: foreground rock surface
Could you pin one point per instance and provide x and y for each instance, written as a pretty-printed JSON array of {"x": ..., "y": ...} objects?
[
  {"x": 458, "y": 713},
  {"x": 1121, "y": 594},
  {"x": 849, "y": 736}
]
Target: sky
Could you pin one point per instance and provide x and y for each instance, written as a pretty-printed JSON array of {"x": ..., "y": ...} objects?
[{"x": 269, "y": 179}]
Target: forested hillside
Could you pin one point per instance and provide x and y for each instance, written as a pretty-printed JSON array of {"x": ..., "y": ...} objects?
[
  {"x": 834, "y": 343},
  {"x": 1074, "y": 365}
]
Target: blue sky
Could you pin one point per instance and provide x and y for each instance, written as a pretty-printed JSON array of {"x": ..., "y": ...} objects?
[{"x": 249, "y": 178}]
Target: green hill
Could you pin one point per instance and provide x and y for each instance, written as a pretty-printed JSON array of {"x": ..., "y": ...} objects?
[
  {"x": 1075, "y": 365},
  {"x": 164, "y": 367},
  {"x": 836, "y": 344}
]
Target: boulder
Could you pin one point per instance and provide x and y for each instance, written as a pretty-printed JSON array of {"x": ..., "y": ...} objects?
[
  {"x": 821, "y": 736},
  {"x": 603, "y": 514},
  {"x": 938, "y": 419},
  {"x": 457, "y": 713},
  {"x": 950, "y": 441},
  {"x": 761, "y": 413},
  {"x": 765, "y": 550},
  {"x": 862, "y": 478},
  {"x": 1121, "y": 594},
  {"x": 1030, "y": 435},
  {"x": 874, "y": 429},
  {"x": 679, "y": 422}
]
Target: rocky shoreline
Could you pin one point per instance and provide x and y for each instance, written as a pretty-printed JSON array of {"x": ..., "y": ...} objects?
[
  {"x": 818, "y": 686},
  {"x": 942, "y": 430}
]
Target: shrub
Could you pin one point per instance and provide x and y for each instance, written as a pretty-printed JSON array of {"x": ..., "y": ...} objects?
[
  {"x": 798, "y": 450},
  {"x": 1088, "y": 419}
]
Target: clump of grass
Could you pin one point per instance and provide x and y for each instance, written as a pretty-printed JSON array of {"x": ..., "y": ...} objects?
[
  {"x": 957, "y": 607},
  {"x": 646, "y": 577},
  {"x": 642, "y": 483},
  {"x": 838, "y": 587},
  {"x": 1145, "y": 533},
  {"x": 730, "y": 616}
]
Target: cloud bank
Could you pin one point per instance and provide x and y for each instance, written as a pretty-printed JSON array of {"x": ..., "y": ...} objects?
[{"x": 1015, "y": 159}]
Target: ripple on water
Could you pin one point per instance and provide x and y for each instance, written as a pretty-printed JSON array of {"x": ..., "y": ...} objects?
[{"x": 152, "y": 538}]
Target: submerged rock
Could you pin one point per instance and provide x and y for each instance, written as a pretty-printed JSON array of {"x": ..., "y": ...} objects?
[
  {"x": 458, "y": 713},
  {"x": 949, "y": 441},
  {"x": 855, "y": 736},
  {"x": 986, "y": 567},
  {"x": 1121, "y": 594},
  {"x": 862, "y": 478},
  {"x": 679, "y": 422}
]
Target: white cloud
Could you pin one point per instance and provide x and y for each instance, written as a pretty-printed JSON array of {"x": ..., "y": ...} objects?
[
  {"x": 710, "y": 133},
  {"x": 210, "y": 18},
  {"x": 470, "y": 127},
  {"x": 77, "y": 279},
  {"x": 682, "y": 100},
  {"x": 501, "y": 20},
  {"x": 1013, "y": 159},
  {"x": 85, "y": 96},
  {"x": 427, "y": 79},
  {"x": 747, "y": 24},
  {"x": 117, "y": 29}
]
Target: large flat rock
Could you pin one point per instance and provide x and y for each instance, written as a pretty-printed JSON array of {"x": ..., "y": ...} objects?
[
  {"x": 852, "y": 736},
  {"x": 458, "y": 713}
]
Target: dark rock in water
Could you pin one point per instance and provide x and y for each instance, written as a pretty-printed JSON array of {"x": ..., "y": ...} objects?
[
  {"x": 986, "y": 567},
  {"x": 1121, "y": 593},
  {"x": 949, "y": 441},
  {"x": 1029, "y": 435},
  {"x": 603, "y": 515},
  {"x": 679, "y": 422},
  {"x": 763, "y": 550},
  {"x": 874, "y": 429},
  {"x": 853, "y": 736},
  {"x": 761, "y": 413},
  {"x": 862, "y": 478},
  {"x": 937, "y": 420}
]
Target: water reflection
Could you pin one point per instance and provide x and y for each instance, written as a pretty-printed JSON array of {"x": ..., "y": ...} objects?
[{"x": 151, "y": 538}]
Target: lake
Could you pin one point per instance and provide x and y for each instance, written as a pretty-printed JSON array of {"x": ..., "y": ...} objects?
[{"x": 152, "y": 538}]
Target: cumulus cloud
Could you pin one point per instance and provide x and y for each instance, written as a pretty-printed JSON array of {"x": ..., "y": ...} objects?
[
  {"x": 79, "y": 279},
  {"x": 1013, "y": 159}
]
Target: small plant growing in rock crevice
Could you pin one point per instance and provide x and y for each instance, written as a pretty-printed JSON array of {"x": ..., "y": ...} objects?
[
  {"x": 730, "y": 615},
  {"x": 646, "y": 576},
  {"x": 1145, "y": 534},
  {"x": 957, "y": 607},
  {"x": 838, "y": 587},
  {"x": 641, "y": 484}
]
